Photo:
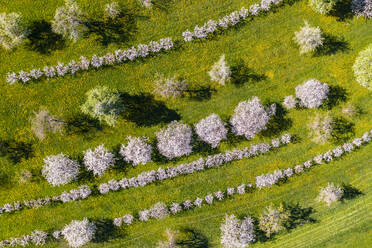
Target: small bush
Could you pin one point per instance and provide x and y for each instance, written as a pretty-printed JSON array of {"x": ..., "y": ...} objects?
[
  {"x": 322, "y": 6},
  {"x": 146, "y": 3},
  {"x": 78, "y": 233},
  {"x": 60, "y": 169},
  {"x": 321, "y": 128},
  {"x": 273, "y": 220},
  {"x": 112, "y": 10},
  {"x": 171, "y": 240},
  {"x": 12, "y": 30},
  {"x": 308, "y": 38},
  {"x": 68, "y": 21},
  {"x": 363, "y": 67},
  {"x": 169, "y": 87},
  {"x": 220, "y": 71},
  {"x": 43, "y": 122},
  {"x": 103, "y": 104},
  {"x": 330, "y": 194},
  {"x": 312, "y": 93}
]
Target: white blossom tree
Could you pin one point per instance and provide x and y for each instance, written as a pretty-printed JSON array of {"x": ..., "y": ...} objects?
[
  {"x": 68, "y": 21},
  {"x": 236, "y": 233},
  {"x": 175, "y": 140},
  {"x": 308, "y": 38},
  {"x": 220, "y": 71},
  {"x": 60, "y": 170},
  {"x": 78, "y": 233},
  {"x": 312, "y": 93},
  {"x": 330, "y": 194},
  {"x": 99, "y": 160},
  {"x": 211, "y": 130},
  {"x": 362, "y": 8},
  {"x": 249, "y": 118},
  {"x": 12, "y": 30},
  {"x": 137, "y": 151}
]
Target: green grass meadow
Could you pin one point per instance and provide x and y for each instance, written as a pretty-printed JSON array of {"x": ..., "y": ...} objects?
[{"x": 265, "y": 46}]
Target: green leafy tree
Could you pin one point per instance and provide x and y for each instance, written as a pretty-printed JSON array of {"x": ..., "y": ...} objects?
[{"x": 103, "y": 104}]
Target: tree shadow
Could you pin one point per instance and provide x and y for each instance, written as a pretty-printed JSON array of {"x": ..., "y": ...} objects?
[
  {"x": 298, "y": 215},
  {"x": 203, "y": 93},
  {"x": 117, "y": 30},
  {"x": 81, "y": 124},
  {"x": 16, "y": 151},
  {"x": 336, "y": 95},
  {"x": 144, "y": 110},
  {"x": 231, "y": 138},
  {"x": 342, "y": 10},
  {"x": 192, "y": 239},
  {"x": 5, "y": 180},
  {"x": 42, "y": 39},
  {"x": 241, "y": 74},
  {"x": 201, "y": 147},
  {"x": 105, "y": 231},
  {"x": 260, "y": 235},
  {"x": 332, "y": 45},
  {"x": 277, "y": 123},
  {"x": 350, "y": 192},
  {"x": 342, "y": 130}
]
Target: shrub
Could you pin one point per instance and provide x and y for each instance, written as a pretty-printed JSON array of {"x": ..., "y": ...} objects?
[
  {"x": 273, "y": 220},
  {"x": 362, "y": 8},
  {"x": 12, "y": 31},
  {"x": 159, "y": 211},
  {"x": 60, "y": 170},
  {"x": 322, "y": 6},
  {"x": 99, "y": 160},
  {"x": 68, "y": 21},
  {"x": 308, "y": 38},
  {"x": 211, "y": 130},
  {"x": 146, "y": 3},
  {"x": 321, "y": 128},
  {"x": 103, "y": 104},
  {"x": 235, "y": 233},
  {"x": 220, "y": 71},
  {"x": 42, "y": 123},
  {"x": 330, "y": 194},
  {"x": 174, "y": 141},
  {"x": 128, "y": 219},
  {"x": 312, "y": 93},
  {"x": 249, "y": 118},
  {"x": 137, "y": 151},
  {"x": 289, "y": 102},
  {"x": 112, "y": 10},
  {"x": 171, "y": 240},
  {"x": 169, "y": 87},
  {"x": 78, "y": 233},
  {"x": 363, "y": 66}
]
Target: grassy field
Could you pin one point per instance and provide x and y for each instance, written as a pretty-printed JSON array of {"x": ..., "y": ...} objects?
[{"x": 265, "y": 46}]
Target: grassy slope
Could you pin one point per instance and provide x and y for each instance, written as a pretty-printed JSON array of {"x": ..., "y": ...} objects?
[{"x": 265, "y": 46}]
